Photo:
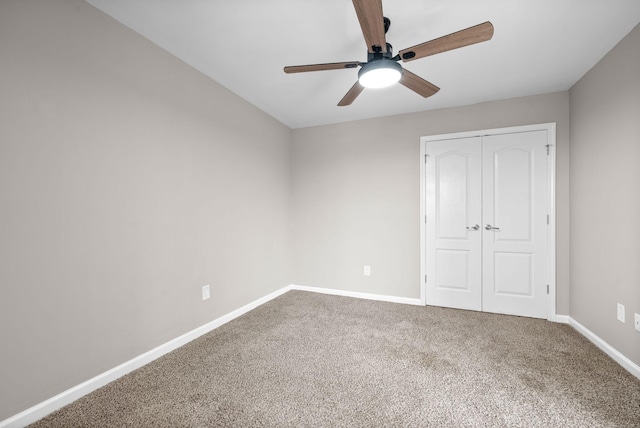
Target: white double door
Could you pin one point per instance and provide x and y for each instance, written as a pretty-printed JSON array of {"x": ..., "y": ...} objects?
[{"x": 487, "y": 223}]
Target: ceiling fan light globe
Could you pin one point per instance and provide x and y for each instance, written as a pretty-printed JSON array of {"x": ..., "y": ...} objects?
[{"x": 379, "y": 74}]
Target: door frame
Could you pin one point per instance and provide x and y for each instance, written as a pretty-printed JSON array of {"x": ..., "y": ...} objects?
[{"x": 551, "y": 201}]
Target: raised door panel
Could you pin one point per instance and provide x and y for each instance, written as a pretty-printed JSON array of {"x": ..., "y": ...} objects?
[
  {"x": 452, "y": 194},
  {"x": 513, "y": 194}
]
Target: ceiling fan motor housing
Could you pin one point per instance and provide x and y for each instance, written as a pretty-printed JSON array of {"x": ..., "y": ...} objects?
[{"x": 378, "y": 54}]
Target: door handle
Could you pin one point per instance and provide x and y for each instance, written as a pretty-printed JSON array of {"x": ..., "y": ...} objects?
[
  {"x": 489, "y": 227},
  {"x": 474, "y": 227}
]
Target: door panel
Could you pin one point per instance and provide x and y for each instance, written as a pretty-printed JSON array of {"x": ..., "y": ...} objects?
[
  {"x": 452, "y": 267},
  {"x": 453, "y": 203},
  {"x": 452, "y": 194},
  {"x": 512, "y": 193},
  {"x": 515, "y": 202},
  {"x": 512, "y": 274}
]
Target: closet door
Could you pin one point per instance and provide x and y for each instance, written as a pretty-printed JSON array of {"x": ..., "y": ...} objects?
[
  {"x": 487, "y": 233},
  {"x": 514, "y": 224},
  {"x": 454, "y": 234}
]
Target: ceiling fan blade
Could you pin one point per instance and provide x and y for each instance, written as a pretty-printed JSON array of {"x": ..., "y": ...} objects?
[
  {"x": 321, "y": 67},
  {"x": 371, "y": 22},
  {"x": 418, "y": 84},
  {"x": 351, "y": 95},
  {"x": 479, "y": 33}
]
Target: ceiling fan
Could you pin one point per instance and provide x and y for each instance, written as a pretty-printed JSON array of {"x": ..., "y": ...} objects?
[{"x": 382, "y": 68}]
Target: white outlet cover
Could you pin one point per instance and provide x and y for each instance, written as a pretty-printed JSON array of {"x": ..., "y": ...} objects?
[
  {"x": 367, "y": 271},
  {"x": 206, "y": 292},
  {"x": 636, "y": 318},
  {"x": 621, "y": 312}
]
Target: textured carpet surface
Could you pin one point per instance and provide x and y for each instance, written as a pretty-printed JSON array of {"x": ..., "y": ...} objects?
[{"x": 307, "y": 360}]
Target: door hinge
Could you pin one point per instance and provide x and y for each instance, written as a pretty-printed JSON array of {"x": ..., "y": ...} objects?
[
  {"x": 547, "y": 288},
  {"x": 547, "y": 218},
  {"x": 425, "y": 158},
  {"x": 425, "y": 279},
  {"x": 425, "y": 219},
  {"x": 548, "y": 145}
]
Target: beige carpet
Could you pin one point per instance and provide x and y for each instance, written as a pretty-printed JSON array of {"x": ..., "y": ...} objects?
[{"x": 307, "y": 360}]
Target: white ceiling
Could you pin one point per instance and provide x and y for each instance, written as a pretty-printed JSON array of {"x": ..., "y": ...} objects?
[{"x": 539, "y": 46}]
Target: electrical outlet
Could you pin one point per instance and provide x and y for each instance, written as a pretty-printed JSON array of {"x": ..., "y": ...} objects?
[
  {"x": 206, "y": 292},
  {"x": 636, "y": 320},
  {"x": 367, "y": 271},
  {"x": 620, "y": 312}
]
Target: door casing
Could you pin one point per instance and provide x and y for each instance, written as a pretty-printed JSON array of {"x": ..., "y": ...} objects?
[{"x": 551, "y": 135}]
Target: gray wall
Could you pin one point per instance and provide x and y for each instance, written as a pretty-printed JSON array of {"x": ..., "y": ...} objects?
[
  {"x": 605, "y": 196},
  {"x": 356, "y": 194},
  {"x": 127, "y": 181}
]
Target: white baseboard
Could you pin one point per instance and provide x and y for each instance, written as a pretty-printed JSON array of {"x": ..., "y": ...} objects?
[
  {"x": 629, "y": 365},
  {"x": 358, "y": 295},
  {"x": 41, "y": 410}
]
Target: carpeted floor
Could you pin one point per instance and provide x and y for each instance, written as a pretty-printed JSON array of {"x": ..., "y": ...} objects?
[{"x": 313, "y": 360}]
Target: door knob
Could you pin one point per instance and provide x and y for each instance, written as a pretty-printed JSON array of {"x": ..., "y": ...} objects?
[
  {"x": 489, "y": 227},
  {"x": 474, "y": 227}
]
